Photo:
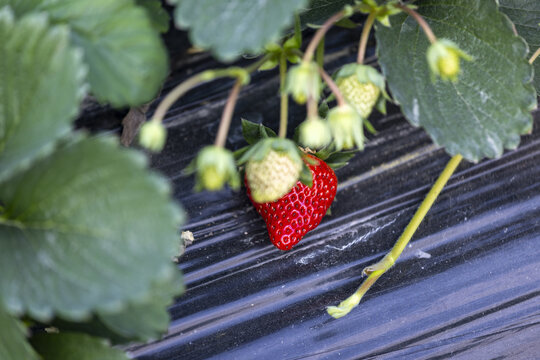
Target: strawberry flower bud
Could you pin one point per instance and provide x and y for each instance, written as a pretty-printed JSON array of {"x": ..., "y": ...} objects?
[
  {"x": 214, "y": 167},
  {"x": 346, "y": 127},
  {"x": 153, "y": 135},
  {"x": 304, "y": 81},
  {"x": 314, "y": 133},
  {"x": 444, "y": 57}
]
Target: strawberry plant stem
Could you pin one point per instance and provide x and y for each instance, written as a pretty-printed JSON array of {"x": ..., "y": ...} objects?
[
  {"x": 195, "y": 80},
  {"x": 420, "y": 20},
  {"x": 312, "y": 111},
  {"x": 319, "y": 55},
  {"x": 364, "y": 37},
  {"x": 226, "y": 117},
  {"x": 534, "y": 56},
  {"x": 310, "y": 50},
  {"x": 284, "y": 107},
  {"x": 332, "y": 85},
  {"x": 174, "y": 95},
  {"x": 375, "y": 271}
]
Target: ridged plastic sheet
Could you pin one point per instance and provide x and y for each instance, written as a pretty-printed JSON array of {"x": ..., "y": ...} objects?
[{"x": 467, "y": 286}]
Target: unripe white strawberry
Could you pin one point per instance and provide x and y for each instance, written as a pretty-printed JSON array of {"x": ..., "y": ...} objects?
[
  {"x": 272, "y": 177},
  {"x": 361, "y": 96},
  {"x": 314, "y": 133},
  {"x": 153, "y": 135},
  {"x": 363, "y": 87}
]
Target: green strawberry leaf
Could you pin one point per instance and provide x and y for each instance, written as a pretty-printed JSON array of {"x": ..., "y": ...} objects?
[
  {"x": 144, "y": 320},
  {"x": 489, "y": 107},
  {"x": 70, "y": 220},
  {"x": 147, "y": 319},
  {"x": 525, "y": 15},
  {"x": 254, "y": 132},
  {"x": 231, "y": 28},
  {"x": 125, "y": 55},
  {"x": 13, "y": 345},
  {"x": 158, "y": 16},
  {"x": 68, "y": 346},
  {"x": 41, "y": 86}
]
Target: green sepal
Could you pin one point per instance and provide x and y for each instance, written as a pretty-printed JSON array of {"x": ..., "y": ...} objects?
[
  {"x": 269, "y": 64},
  {"x": 258, "y": 151},
  {"x": 306, "y": 176},
  {"x": 364, "y": 74},
  {"x": 369, "y": 127},
  {"x": 335, "y": 159},
  {"x": 346, "y": 23},
  {"x": 254, "y": 132},
  {"x": 324, "y": 108},
  {"x": 295, "y": 42},
  {"x": 294, "y": 58},
  {"x": 340, "y": 158},
  {"x": 382, "y": 12},
  {"x": 380, "y": 105},
  {"x": 213, "y": 168}
]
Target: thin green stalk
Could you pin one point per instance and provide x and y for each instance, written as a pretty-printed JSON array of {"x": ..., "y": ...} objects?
[
  {"x": 365, "y": 36},
  {"x": 375, "y": 271},
  {"x": 319, "y": 55},
  {"x": 255, "y": 66},
  {"x": 333, "y": 86},
  {"x": 310, "y": 50},
  {"x": 284, "y": 107},
  {"x": 312, "y": 111},
  {"x": 420, "y": 20},
  {"x": 197, "y": 79},
  {"x": 226, "y": 117},
  {"x": 175, "y": 94},
  {"x": 534, "y": 56}
]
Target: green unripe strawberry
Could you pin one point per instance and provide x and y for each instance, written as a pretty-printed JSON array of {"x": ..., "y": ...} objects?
[
  {"x": 346, "y": 127},
  {"x": 153, "y": 135},
  {"x": 314, "y": 133},
  {"x": 214, "y": 167},
  {"x": 443, "y": 58},
  {"x": 361, "y": 96},
  {"x": 363, "y": 87},
  {"x": 304, "y": 81},
  {"x": 272, "y": 177}
]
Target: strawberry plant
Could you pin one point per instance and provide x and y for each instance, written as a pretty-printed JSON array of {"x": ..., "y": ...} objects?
[{"x": 87, "y": 233}]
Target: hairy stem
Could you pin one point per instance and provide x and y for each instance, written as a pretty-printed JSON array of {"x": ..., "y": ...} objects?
[
  {"x": 364, "y": 37},
  {"x": 284, "y": 107},
  {"x": 375, "y": 271},
  {"x": 175, "y": 94},
  {"x": 226, "y": 117},
  {"x": 310, "y": 50},
  {"x": 319, "y": 55},
  {"x": 332, "y": 85},
  {"x": 197, "y": 79},
  {"x": 420, "y": 20},
  {"x": 255, "y": 66},
  {"x": 312, "y": 111},
  {"x": 534, "y": 56}
]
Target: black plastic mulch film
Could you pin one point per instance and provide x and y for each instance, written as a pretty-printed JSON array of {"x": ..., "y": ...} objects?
[{"x": 467, "y": 287}]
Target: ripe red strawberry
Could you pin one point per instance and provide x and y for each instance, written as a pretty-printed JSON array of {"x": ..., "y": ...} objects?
[{"x": 301, "y": 209}]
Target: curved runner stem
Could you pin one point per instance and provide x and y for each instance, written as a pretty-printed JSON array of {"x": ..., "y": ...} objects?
[{"x": 375, "y": 271}]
